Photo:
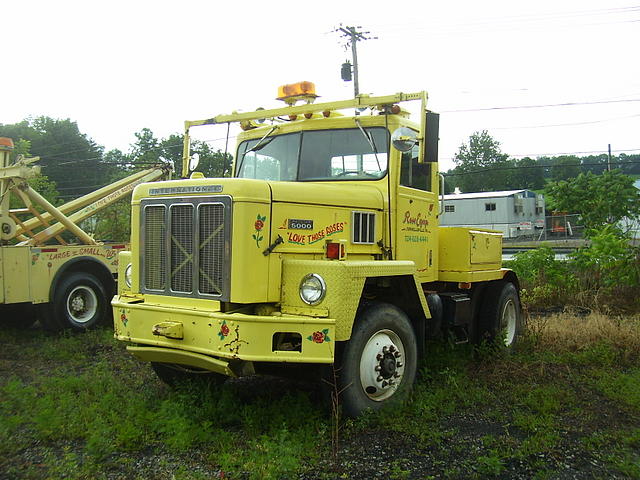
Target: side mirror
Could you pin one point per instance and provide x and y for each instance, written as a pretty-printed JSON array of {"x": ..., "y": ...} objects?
[
  {"x": 404, "y": 139},
  {"x": 194, "y": 161},
  {"x": 430, "y": 144}
]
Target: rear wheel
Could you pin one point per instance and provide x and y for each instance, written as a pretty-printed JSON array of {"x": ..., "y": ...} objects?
[
  {"x": 500, "y": 318},
  {"x": 176, "y": 375},
  {"x": 378, "y": 365},
  {"x": 80, "y": 303}
]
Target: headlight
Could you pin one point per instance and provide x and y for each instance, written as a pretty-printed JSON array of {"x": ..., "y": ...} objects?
[
  {"x": 127, "y": 275},
  {"x": 312, "y": 289}
]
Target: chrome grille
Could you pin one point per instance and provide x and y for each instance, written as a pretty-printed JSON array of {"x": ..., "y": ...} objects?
[
  {"x": 182, "y": 248},
  {"x": 186, "y": 246},
  {"x": 211, "y": 234},
  {"x": 156, "y": 265}
]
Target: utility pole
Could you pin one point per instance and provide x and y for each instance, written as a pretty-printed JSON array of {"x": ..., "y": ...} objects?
[
  {"x": 353, "y": 36},
  {"x": 609, "y": 159}
]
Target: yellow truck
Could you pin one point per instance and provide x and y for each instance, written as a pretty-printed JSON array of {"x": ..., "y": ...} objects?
[
  {"x": 42, "y": 275},
  {"x": 322, "y": 253}
]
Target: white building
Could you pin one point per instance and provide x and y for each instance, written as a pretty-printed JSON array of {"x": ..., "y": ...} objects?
[
  {"x": 513, "y": 212},
  {"x": 632, "y": 225}
]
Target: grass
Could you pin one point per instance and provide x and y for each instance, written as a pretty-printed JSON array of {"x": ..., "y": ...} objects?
[{"x": 79, "y": 407}]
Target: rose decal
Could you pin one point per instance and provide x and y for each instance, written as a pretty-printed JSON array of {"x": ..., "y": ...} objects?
[
  {"x": 258, "y": 225},
  {"x": 319, "y": 336},
  {"x": 123, "y": 318},
  {"x": 224, "y": 330}
]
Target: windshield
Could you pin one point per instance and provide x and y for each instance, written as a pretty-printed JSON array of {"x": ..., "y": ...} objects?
[{"x": 317, "y": 155}]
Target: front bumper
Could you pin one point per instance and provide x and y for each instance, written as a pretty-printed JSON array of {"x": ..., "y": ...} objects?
[{"x": 215, "y": 340}]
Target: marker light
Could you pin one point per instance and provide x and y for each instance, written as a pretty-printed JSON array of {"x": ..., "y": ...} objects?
[
  {"x": 336, "y": 250},
  {"x": 293, "y": 92},
  {"x": 312, "y": 289}
]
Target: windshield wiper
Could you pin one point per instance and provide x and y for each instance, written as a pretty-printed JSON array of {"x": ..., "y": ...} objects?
[
  {"x": 263, "y": 142},
  {"x": 372, "y": 144}
]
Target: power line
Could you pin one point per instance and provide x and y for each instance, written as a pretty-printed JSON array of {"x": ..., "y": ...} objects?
[
  {"x": 591, "y": 122},
  {"x": 450, "y": 173},
  {"x": 547, "y": 105},
  {"x": 537, "y": 21}
]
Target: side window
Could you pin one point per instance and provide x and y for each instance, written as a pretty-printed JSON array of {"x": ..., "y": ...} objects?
[
  {"x": 489, "y": 207},
  {"x": 414, "y": 174},
  {"x": 449, "y": 208}
]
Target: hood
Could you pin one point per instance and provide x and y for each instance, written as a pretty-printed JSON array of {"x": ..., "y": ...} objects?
[{"x": 363, "y": 195}]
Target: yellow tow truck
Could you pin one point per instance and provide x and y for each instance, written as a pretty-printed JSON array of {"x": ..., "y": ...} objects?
[
  {"x": 322, "y": 250},
  {"x": 42, "y": 275}
]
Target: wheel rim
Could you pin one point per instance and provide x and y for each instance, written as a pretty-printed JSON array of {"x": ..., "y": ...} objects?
[
  {"x": 509, "y": 322},
  {"x": 82, "y": 304},
  {"x": 382, "y": 365}
]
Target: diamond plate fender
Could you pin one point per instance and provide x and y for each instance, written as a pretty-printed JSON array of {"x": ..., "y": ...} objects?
[{"x": 344, "y": 282}]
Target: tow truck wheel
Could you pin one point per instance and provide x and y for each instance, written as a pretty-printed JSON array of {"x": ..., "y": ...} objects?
[
  {"x": 378, "y": 364},
  {"x": 176, "y": 375},
  {"x": 500, "y": 318},
  {"x": 79, "y": 303}
]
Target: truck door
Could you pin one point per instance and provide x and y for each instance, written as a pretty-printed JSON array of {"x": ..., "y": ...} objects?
[{"x": 416, "y": 227}]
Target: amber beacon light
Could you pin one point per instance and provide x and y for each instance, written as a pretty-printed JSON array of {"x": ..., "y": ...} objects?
[{"x": 293, "y": 92}]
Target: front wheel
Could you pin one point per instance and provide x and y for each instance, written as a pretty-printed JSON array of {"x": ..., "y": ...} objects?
[
  {"x": 79, "y": 303},
  {"x": 378, "y": 365}
]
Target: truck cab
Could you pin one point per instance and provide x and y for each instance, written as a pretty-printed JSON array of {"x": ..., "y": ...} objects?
[{"x": 323, "y": 251}]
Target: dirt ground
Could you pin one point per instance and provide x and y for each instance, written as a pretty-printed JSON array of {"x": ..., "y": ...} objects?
[{"x": 473, "y": 441}]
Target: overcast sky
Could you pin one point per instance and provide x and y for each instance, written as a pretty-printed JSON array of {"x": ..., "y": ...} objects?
[{"x": 116, "y": 67}]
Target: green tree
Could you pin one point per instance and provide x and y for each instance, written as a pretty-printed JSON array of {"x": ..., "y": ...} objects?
[
  {"x": 68, "y": 157},
  {"x": 481, "y": 165},
  {"x": 565, "y": 167},
  {"x": 599, "y": 199},
  {"x": 527, "y": 174}
]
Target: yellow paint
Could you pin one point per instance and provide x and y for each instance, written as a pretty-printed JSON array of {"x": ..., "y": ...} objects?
[
  {"x": 30, "y": 262},
  {"x": 169, "y": 330},
  {"x": 223, "y": 335},
  {"x": 465, "y": 250},
  {"x": 279, "y": 234}
]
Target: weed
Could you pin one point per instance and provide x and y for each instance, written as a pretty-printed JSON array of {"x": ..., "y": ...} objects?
[
  {"x": 490, "y": 464},
  {"x": 397, "y": 471},
  {"x": 623, "y": 387}
]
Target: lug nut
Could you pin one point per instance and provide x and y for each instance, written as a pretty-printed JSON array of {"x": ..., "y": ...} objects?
[
  {"x": 384, "y": 384},
  {"x": 385, "y": 349},
  {"x": 398, "y": 364},
  {"x": 379, "y": 357},
  {"x": 396, "y": 374},
  {"x": 397, "y": 354},
  {"x": 378, "y": 368},
  {"x": 392, "y": 348},
  {"x": 380, "y": 378},
  {"x": 392, "y": 381}
]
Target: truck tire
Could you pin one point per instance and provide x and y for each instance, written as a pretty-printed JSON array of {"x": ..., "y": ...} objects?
[
  {"x": 176, "y": 375},
  {"x": 500, "y": 320},
  {"x": 378, "y": 365},
  {"x": 79, "y": 303}
]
